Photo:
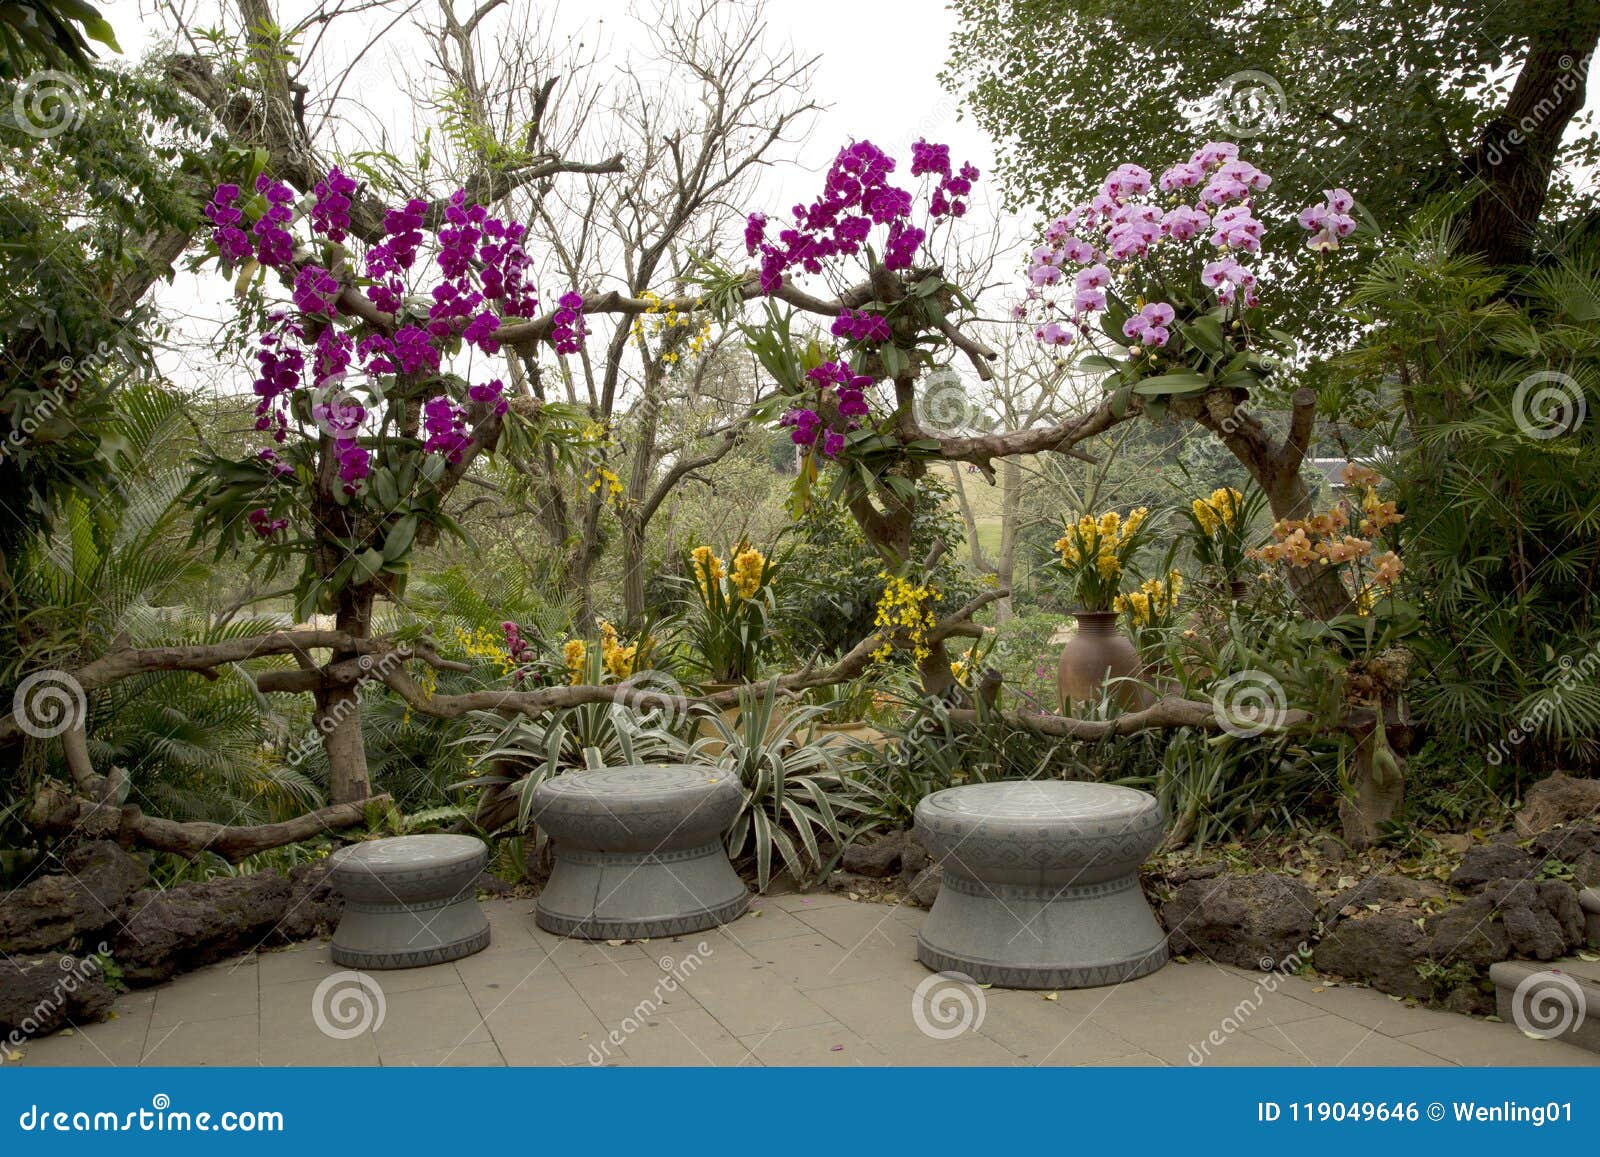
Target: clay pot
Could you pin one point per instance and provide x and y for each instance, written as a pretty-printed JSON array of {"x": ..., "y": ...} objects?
[{"x": 1096, "y": 653}]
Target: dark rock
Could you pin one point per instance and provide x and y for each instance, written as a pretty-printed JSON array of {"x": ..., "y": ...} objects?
[
  {"x": 1195, "y": 872},
  {"x": 1567, "y": 844},
  {"x": 1586, "y": 870},
  {"x": 1560, "y": 799},
  {"x": 1468, "y": 1000},
  {"x": 1383, "y": 948},
  {"x": 1252, "y": 921},
  {"x": 1532, "y": 918},
  {"x": 192, "y": 925},
  {"x": 1383, "y": 890},
  {"x": 1493, "y": 862},
  {"x": 925, "y": 888},
  {"x": 314, "y": 907},
  {"x": 880, "y": 857},
  {"x": 91, "y": 894},
  {"x": 39, "y": 994}
]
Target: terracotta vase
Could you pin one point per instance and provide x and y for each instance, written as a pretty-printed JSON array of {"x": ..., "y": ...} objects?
[{"x": 1095, "y": 654}]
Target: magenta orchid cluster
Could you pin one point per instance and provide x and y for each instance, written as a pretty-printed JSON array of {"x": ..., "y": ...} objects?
[
  {"x": 860, "y": 325},
  {"x": 485, "y": 278},
  {"x": 856, "y": 197},
  {"x": 1149, "y": 227},
  {"x": 838, "y": 390}
]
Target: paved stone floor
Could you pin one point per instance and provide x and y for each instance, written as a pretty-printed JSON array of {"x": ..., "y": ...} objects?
[{"x": 800, "y": 980}]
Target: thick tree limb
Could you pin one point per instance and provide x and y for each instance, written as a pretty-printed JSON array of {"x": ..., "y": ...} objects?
[
  {"x": 1170, "y": 711},
  {"x": 57, "y": 812}
]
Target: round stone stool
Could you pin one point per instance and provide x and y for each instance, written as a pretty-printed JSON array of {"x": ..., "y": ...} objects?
[
  {"x": 638, "y": 851},
  {"x": 409, "y": 901},
  {"x": 1041, "y": 885}
]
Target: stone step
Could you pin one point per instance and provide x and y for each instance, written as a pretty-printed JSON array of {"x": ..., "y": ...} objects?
[
  {"x": 1589, "y": 901},
  {"x": 1558, "y": 1001}
]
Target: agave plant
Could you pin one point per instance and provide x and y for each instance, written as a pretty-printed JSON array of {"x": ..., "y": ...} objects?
[{"x": 797, "y": 798}]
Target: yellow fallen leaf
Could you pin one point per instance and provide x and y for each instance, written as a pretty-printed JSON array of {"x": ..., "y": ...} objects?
[
  {"x": 65, "y": 1032},
  {"x": 616, "y": 943},
  {"x": 1050, "y": 995},
  {"x": 13, "y": 1055}
]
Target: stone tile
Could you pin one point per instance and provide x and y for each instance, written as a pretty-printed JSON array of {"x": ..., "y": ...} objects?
[
  {"x": 1133, "y": 1060},
  {"x": 689, "y": 1037},
  {"x": 968, "y": 1049},
  {"x": 1044, "y": 1038},
  {"x": 1477, "y": 1043},
  {"x": 883, "y": 1011},
  {"x": 857, "y": 926},
  {"x": 828, "y": 1044},
  {"x": 429, "y": 1018},
  {"x": 1389, "y": 1015},
  {"x": 801, "y": 902},
  {"x": 474, "y": 1056},
  {"x": 290, "y": 1009},
  {"x": 211, "y": 994},
  {"x": 765, "y": 921},
  {"x": 115, "y": 1043},
  {"x": 753, "y": 1002},
  {"x": 221, "y": 1042},
  {"x": 635, "y": 989},
  {"x": 808, "y": 963},
  {"x": 568, "y": 954},
  {"x": 313, "y": 1049},
  {"x": 311, "y": 961},
  {"x": 552, "y": 1032},
  {"x": 1333, "y": 1042},
  {"x": 498, "y": 980}
]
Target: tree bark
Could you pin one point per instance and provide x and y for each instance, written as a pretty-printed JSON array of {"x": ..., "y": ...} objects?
[{"x": 1517, "y": 150}]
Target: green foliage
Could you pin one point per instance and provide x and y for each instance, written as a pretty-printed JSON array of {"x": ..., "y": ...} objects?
[
  {"x": 1485, "y": 383},
  {"x": 797, "y": 810},
  {"x": 50, "y": 34}
]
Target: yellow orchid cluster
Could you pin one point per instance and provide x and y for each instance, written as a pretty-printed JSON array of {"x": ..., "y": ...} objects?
[
  {"x": 662, "y": 316},
  {"x": 1094, "y": 552},
  {"x": 749, "y": 564},
  {"x": 485, "y": 645},
  {"x": 617, "y": 659},
  {"x": 594, "y": 441},
  {"x": 1220, "y": 511},
  {"x": 1153, "y": 602},
  {"x": 905, "y": 609}
]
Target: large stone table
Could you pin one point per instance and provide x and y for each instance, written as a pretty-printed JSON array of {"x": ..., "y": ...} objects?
[
  {"x": 638, "y": 851},
  {"x": 1041, "y": 886}
]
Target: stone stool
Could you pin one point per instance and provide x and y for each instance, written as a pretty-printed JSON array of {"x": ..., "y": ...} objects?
[
  {"x": 1041, "y": 885},
  {"x": 409, "y": 901},
  {"x": 638, "y": 851}
]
